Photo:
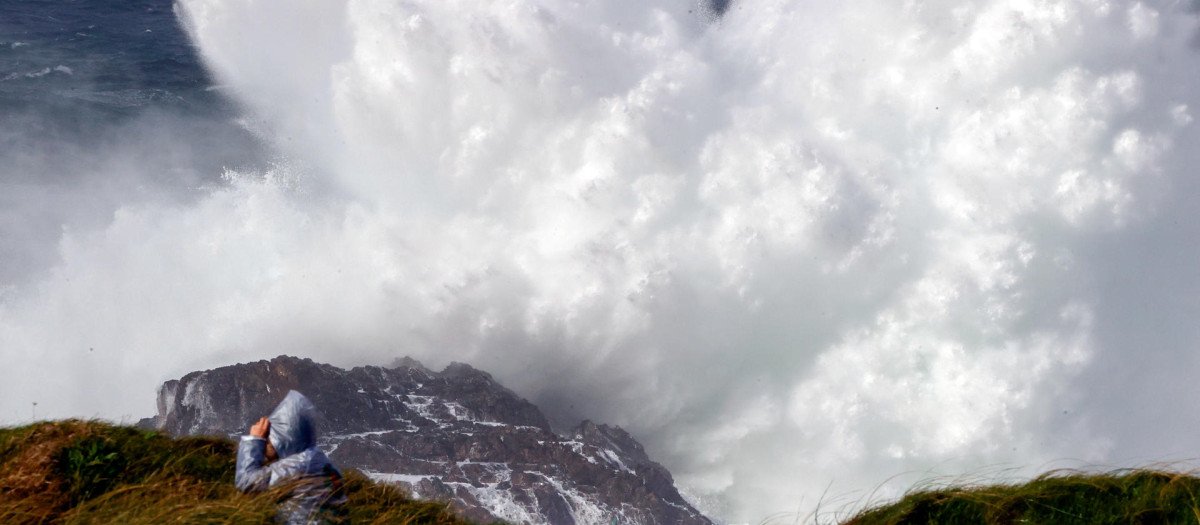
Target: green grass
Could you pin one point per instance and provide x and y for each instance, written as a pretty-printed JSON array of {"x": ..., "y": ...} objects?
[
  {"x": 81, "y": 472},
  {"x": 1145, "y": 497},
  {"x": 84, "y": 472}
]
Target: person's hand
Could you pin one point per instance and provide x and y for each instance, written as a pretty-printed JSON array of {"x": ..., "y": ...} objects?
[{"x": 261, "y": 428}]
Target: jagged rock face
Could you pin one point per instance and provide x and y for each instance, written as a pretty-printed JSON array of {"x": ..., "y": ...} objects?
[{"x": 455, "y": 435}]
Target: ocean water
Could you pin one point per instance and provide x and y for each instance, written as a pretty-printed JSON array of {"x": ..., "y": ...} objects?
[
  {"x": 92, "y": 57},
  {"x": 806, "y": 251},
  {"x": 84, "y": 83}
]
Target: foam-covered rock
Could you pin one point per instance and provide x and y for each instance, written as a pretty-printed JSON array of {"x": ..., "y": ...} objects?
[{"x": 454, "y": 435}]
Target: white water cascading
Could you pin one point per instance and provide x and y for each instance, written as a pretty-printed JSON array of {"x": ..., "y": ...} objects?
[{"x": 797, "y": 250}]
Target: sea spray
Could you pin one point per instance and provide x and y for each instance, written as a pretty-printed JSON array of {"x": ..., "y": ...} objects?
[{"x": 803, "y": 246}]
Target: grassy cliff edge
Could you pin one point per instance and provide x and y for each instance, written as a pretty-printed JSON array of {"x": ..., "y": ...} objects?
[
  {"x": 1136, "y": 496},
  {"x": 92, "y": 472},
  {"x": 76, "y": 472}
]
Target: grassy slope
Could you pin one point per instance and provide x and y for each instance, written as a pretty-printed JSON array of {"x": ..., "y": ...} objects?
[
  {"x": 1126, "y": 497},
  {"x": 91, "y": 472}
]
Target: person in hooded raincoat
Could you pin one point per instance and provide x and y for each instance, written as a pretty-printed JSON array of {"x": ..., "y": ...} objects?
[{"x": 282, "y": 448}]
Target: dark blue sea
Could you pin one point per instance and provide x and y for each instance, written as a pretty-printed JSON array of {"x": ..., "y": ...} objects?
[
  {"x": 84, "y": 86},
  {"x": 113, "y": 57}
]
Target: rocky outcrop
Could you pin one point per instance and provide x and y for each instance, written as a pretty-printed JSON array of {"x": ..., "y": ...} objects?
[{"x": 455, "y": 435}]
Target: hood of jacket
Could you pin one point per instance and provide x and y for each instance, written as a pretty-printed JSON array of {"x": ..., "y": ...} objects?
[{"x": 292, "y": 425}]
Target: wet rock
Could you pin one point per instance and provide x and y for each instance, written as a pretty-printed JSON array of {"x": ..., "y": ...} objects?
[{"x": 455, "y": 435}]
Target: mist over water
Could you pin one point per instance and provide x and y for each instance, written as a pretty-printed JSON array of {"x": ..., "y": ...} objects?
[{"x": 796, "y": 249}]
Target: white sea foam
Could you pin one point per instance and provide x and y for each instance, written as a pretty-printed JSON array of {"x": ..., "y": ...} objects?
[
  {"x": 411, "y": 479},
  {"x": 809, "y": 246}
]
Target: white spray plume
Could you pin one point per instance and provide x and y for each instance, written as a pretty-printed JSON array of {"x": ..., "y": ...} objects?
[{"x": 797, "y": 250}]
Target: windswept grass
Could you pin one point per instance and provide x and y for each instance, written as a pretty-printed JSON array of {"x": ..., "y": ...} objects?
[
  {"x": 85, "y": 472},
  {"x": 80, "y": 472},
  {"x": 1146, "y": 497}
]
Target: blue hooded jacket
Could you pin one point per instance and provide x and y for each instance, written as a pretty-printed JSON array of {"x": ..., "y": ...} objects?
[{"x": 300, "y": 461}]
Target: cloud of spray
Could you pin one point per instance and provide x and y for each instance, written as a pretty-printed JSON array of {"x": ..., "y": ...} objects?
[{"x": 809, "y": 243}]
